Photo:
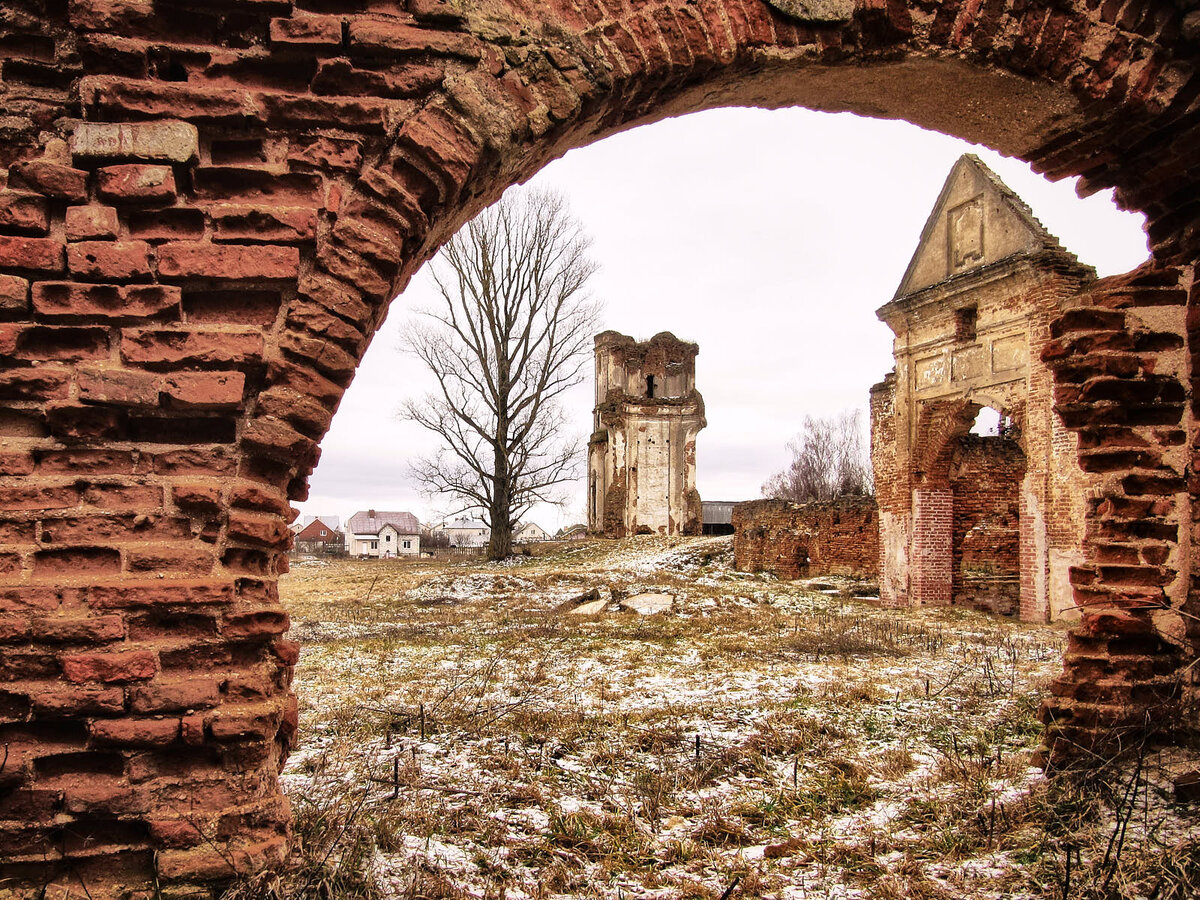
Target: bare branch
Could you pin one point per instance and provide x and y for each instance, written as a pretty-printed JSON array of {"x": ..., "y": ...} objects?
[
  {"x": 512, "y": 331},
  {"x": 829, "y": 460}
]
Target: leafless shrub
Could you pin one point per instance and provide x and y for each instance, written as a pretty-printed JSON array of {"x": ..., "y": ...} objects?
[{"x": 829, "y": 460}]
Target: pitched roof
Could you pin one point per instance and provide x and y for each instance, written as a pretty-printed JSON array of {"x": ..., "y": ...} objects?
[
  {"x": 372, "y": 521},
  {"x": 467, "y": 523},
  {"x": 977, "y": 220},
  {"x": 333, "y": 522},
  {"x": 312, "y": 531}
]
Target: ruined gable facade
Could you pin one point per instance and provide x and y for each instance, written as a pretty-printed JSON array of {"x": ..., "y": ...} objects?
[
  {"x": 642, "y": 454},
  {"x": 994, "y": 522}
]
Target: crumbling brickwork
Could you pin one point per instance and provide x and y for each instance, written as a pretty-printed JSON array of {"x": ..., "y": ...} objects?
[
  {"x": 798, "y": 540},
  {"x": 970, "y": 317},
  {"x": 205, "y": 209},
  {"x": 1122, "y": 368},
  {"x": 642, "y": 454}
]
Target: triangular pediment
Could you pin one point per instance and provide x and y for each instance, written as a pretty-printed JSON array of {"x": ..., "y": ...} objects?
[{"x": 976, "y": 221}]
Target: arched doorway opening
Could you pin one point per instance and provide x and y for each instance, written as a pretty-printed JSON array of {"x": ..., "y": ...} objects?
[{"x": 207, "y": 213}]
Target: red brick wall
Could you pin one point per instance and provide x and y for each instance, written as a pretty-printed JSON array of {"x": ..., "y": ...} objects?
[
  {"x": 985, "y": 479},
  {"x": 205, "y": 210},
  {"x": 930, "y": 565},
  {"x": 839, "y": 537}
]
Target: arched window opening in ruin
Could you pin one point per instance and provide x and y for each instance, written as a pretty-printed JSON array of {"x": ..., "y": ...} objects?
[
  {"x": 965, "y": 319},
  {"x": 650, "y": 386}
]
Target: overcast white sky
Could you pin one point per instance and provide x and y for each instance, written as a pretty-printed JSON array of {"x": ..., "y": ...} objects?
[{"x": 768, "y": 237}]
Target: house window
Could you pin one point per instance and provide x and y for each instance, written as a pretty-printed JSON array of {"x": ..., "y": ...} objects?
[
  {"x": 387, "y": 538},
  {"x": 374, "y": 545},
  {"x": 322, "y": 534},
  {"x": 408, "y": 545}
]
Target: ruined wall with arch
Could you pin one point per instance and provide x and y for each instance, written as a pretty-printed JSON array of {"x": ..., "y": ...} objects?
[{"x": 205, "y": 211}]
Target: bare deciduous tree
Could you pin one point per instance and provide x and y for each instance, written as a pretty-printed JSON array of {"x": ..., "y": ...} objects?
[
  {"x": 829, "y": 460},
  {"x": 512, "y": 331}
]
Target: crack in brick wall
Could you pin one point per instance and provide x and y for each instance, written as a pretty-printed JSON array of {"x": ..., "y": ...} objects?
[{"x": 205, "y": 210}]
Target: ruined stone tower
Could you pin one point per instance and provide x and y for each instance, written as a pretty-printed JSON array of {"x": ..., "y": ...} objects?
[{"x": 642, "y": 455}]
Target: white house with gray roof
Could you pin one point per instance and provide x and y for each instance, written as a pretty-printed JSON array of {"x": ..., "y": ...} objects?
[{"x": 381, "y": 534}]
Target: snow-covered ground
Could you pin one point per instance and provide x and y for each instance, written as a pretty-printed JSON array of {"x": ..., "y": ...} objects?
[{"x": 464, "y": 734}]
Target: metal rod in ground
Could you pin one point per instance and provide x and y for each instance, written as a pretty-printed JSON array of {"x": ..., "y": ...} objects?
[
  {"x": 729, "y": 890},
  {"x": 422, "y": 723},
  {"x": 395, "y": 777}
]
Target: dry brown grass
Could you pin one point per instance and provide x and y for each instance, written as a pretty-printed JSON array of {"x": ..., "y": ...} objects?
[{"x": 463, "y": 736}]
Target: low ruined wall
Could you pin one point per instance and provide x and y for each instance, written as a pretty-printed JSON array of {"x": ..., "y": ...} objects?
[{"x": 838, "y": 537}]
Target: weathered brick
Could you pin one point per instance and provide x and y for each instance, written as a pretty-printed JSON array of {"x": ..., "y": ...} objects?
[
  {"x": 251, "y": 722},
  {"x": 167, "y": 559},
  {"x": 108, "y": 527},
  {"x": 395, "y": 39},
  {"x": 201, "y": 497},
  {"x": 195, "y": 103},
  {"x": 37, "y": 254},
  {"x": 159, "y": 592},
  {"x": 277, "y": 440},
  {"x": 204, "y": 390},
  {"x": 86, "y": 223},
  {"x": 13, "y": 630},
  {"x": 232, "y": 262},
  {"x": 328, "y": 357},
  {"x": 76, "y": 460},
  {"x": 78, "y": 630},
  {"x": 78, "y": 700},
  {"x": 123, "y": 387},
  {"x": 49, "y": 342},
  {"x": 110, "y": 260},
  {"x": 65, "y": 299},
  {"x": 143, "y": 498},
  {"x": 307, "y": 31},
  {"x": 175, "y": 695},
  {"x": 173, "y": 347},
  {"x": 135, "y": 732},
  {"x": 34, "y": 384},
  {"x": 53, "y": 180},
  {"x": 38, "y": 496},
  {"x": 136, "y": 182},
  {"x": 326, "y": 153},
  {"x": 177, "y": 142},
  {"x": 70, "y": 422},
  {"x": 268, "y": 224},
  {"x": 195, "y": 461},
  {"x": 23, "y": 213},
  {"x": 113, "y": 666},
  {"x": 16, "y": 462},
  {"x": 14, "y": 295},
  {"x": 114, "y": 15},
  {"x": 258, "y": 528},
  {"x": 76, "y": 562},
  {"x": 263, "y": 623}
]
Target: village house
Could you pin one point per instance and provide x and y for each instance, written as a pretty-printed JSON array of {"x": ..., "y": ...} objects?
[
  {"x": 302, "y": 522},
  {"x": 384, "y": 534},
  {"x": 464, "y": 532},
  {"x": 572, "y": 533},
  {"x": 319, "y": 536},
  {"x": 530, "y": 533}
]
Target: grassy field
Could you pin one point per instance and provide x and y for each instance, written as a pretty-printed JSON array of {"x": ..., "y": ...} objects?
[{"x": 465, "y": 734}]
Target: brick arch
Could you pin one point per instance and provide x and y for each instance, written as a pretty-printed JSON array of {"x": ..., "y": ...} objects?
[{"x": 207, "y": 210}]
